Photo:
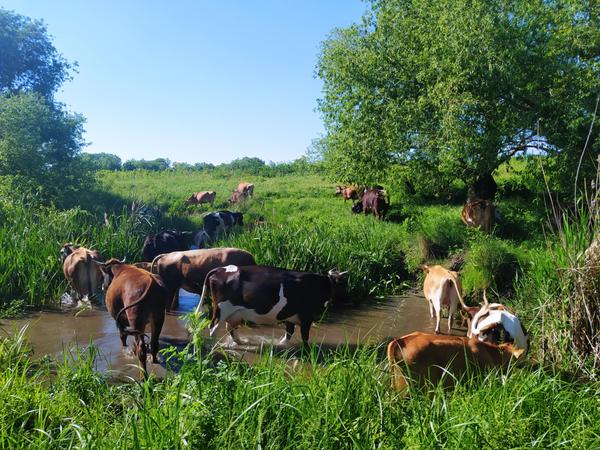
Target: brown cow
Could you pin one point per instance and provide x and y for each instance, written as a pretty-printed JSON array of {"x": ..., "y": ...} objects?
[
  {"x": 237, "y": 197},
  {"x": 135, "y": 297},
  {"x": 188, "y": 269},
  {"x": 198, "y": 198},
  {"x": 431, "y": 358},
  {"x": 479, "y": 213},
  {"x": 349, "y": 193},
  {"x": 373, "y": 200},
  {"x": 80, "y": 271}
]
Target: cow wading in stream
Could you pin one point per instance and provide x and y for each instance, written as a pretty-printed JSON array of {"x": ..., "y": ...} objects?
[{"x": 268, "y": 295}]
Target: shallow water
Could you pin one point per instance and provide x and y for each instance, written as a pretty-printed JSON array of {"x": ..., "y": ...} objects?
[{"x": 53, "y": 333}]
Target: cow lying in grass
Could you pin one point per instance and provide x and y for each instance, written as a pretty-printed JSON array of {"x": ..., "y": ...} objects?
[
  {"x": 135, "y": 297},
  {"x": 429, "y": 358},
  {"x": 268, "y": 295}
]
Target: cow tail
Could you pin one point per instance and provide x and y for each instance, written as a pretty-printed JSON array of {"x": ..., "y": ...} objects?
[
  {"x": 206, "y": 278},
  {"x": 399, "y": 381},
  {"x": 138, "y": 301},
  {"x": 155, "y": 261},
  {"x": 460, "y": 299}
]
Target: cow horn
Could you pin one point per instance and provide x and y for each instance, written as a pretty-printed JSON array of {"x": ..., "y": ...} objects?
[{"x": 100, "y": 263}]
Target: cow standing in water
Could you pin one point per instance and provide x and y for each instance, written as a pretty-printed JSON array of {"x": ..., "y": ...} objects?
[
  {"x": 135, "y": 297},
  {"x": 268, "y": 295},
  {"x": 188, "y": 269},
  {"x": 80, "y": 271}
]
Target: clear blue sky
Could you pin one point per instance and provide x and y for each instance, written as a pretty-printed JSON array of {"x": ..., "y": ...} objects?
[{"x": 194, "y": 80}]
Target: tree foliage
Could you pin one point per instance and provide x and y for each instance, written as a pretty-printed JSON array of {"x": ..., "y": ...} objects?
[
  {"x": 101, "y": 161},
  {"x": 39, "y": 138},
  {"x": 447, "y": 89},
  {"x": 155, "y": 165}
]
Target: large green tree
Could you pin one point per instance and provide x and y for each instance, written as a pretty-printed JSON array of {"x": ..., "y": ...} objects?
[
  {"x": 447, "y": 89},
  {"x": 39, "y": 138}
]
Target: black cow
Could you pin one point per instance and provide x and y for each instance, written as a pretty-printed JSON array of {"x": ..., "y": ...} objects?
[
  {"x": 373, "y": 200},
  {"x": 166, "y": 241},
  {"x": 268, "y": 295},
  {"x": 215, "y": 225}
]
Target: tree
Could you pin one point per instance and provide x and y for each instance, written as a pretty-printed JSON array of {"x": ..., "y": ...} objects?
[
  {"x": 39, "y": 139},
  {"x": 101, "y": 161},
  {"x": 443, "y": 89},
  {"x": 156, "y": 165},
  {"x": 30, "y": 63}
]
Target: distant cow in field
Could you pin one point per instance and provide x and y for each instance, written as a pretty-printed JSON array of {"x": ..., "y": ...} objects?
[
  {"x": 188, "y": 269},
  {"x": 198, "y": 198},
  {"x": 479, "y": 213},
  {"x": 268, "y": 295},
  {"x": 165, "y": 241},
  {"x": 237, "y": 198},
  {"x": 430, "y": 358},
  {"x": 442, "y": 288},
  {"x": 135, "y": 297},
  {"x": 80, "y": 271},
  {"x": 373, "y": 200},
  {"x": 246, "y": 188},
  {"x": 215, "y": 225},
  {"x": 349, "y": 193}
]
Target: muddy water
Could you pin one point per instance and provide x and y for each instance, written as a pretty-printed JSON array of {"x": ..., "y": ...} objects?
[{"x": 54, "y": 333}]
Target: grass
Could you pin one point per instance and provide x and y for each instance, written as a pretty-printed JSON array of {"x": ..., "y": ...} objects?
[{"x": 334, "y": 400}]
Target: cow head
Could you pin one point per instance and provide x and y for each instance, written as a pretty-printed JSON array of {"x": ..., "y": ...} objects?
[
  {"x": 66, "y": 250},
  {"x": 109, "y": 270},
  {"x": 357, "y": 208},
  {"x": 238, "y": 218},
  {"x": 201, "y": 239},
  {"x": 338, "y": 285}
]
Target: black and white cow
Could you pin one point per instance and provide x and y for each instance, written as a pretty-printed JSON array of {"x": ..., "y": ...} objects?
[
  {"x": 165, "y": 241},
  {"x": 268, "y": 295},
  {"x": 215, "y": 224}
]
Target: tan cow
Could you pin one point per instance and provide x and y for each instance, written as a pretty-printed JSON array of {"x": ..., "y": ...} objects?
[
  {"x": 429, "y": 358},
  {"x": 188, "y": 269},
  {"x": 198, "y": 198},
  {"x": 479, "y": 213},
  {"x": 80, "y": 271},
  {"x": 135, "y": 297},
  {"x": 348, "y": 192},
  {"x": 246, "y": 188},
  {"x": 442, "y": 288}
]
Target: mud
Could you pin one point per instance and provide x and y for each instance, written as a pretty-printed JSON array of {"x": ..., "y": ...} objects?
[{"x": 54, "y": 333}]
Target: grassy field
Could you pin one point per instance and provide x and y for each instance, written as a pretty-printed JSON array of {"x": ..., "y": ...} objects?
[{"x": 334, "y": 400}]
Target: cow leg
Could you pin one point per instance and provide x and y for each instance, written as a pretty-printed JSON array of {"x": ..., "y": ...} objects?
[
  {"x": 232, "y": 332},
  {"x": 123, "y": 337},
  {"x": 430, "y": 308},
  {"x": 156, "y": 324},
  {"x": 140, "y": 350},
  {"x": 174, "y": 301},
  {"x": 289, "y": 331},
  {"x": 305, "y": 330},
  {"x": 437, "y": 306}
]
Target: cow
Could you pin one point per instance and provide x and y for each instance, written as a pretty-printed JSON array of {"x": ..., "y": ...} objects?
[
  {"x": 442, "y": 288},
  {"x": 268, "y": 295},
  {"x": 483, "y": 188},
  {"x": 135, "y": 297},
  {"x": 493, "y": 320},
  {"x": 216, "y": 224},
  {"x": 84, "y": 277},
  {"x": 373, "y": 200},
  {"x": 479, "y": 213},
  {"x": 237, "y": 197},
  {"x": 431, "y": 358},
  {"x": 165, "y": 241},
  {"x": 246, "y": 188},
  {"x": 348, "y": 193},
  {"x": 198, "y": 198},
  {"x": 188, "y": 269}
]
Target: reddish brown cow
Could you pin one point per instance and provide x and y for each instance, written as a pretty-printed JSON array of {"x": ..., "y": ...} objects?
[
  {"x": 349, "y": 193},
  {"x": 373, "y": 200},
  {"x": 246, "y": 188},
  {"x": 134, "y": 298},
  {"x": 202, "y": 197},
  {"x": 431, "y": 358},
  {"x": 479, "y": 213}
]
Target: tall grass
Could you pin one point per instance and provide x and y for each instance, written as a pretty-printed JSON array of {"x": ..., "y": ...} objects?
[{"x": 329, "y": 400}]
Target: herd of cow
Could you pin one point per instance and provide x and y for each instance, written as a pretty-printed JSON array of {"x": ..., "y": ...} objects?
[{"x": 242, "y": 291}]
